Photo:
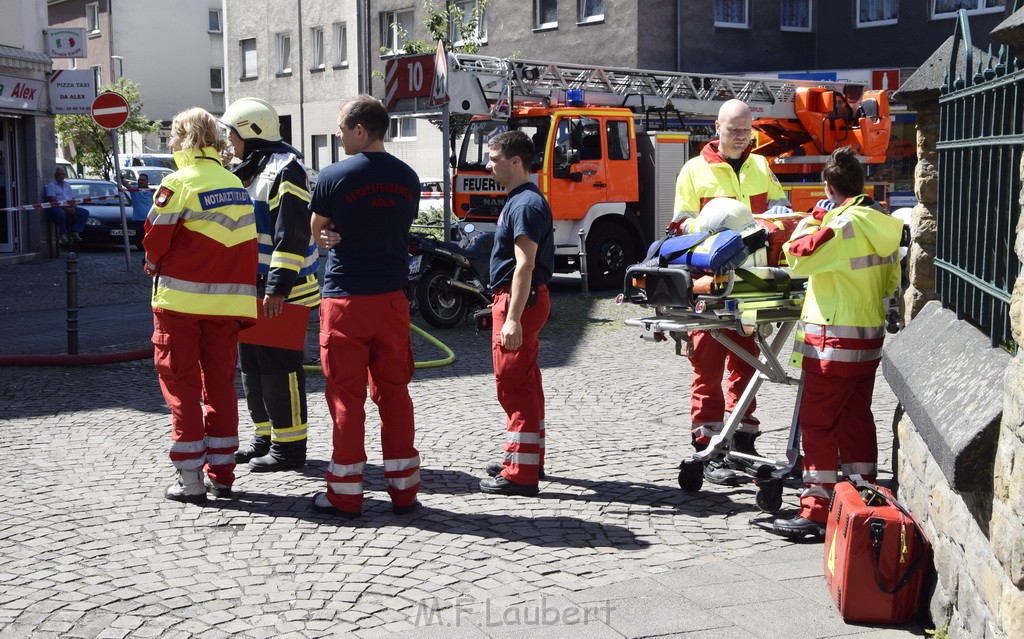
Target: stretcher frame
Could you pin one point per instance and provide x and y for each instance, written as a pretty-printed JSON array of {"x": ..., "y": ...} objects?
[{"x": 762, "y": 314}]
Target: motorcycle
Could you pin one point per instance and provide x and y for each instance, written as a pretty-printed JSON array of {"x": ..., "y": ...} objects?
[{"x": 449, "y": 280}]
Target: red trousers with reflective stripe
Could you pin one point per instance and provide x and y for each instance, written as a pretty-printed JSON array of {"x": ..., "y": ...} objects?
[
  {"x": 195, "y": 360},
  {"x": 520, "y": 387},
  {"x": 710, "y": 359},
  {"x": 365, "y": 339},
  {"x": 836, "y": 424}
]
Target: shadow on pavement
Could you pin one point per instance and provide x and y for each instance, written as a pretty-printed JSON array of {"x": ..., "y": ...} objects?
[{"x": 545, "y": 531}]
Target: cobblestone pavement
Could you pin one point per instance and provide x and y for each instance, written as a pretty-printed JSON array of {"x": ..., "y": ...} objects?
[{"x": 611, "y": 548}]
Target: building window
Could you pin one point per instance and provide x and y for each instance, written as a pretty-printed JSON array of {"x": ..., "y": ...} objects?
[
  {"x": 795, "y": 15},
  {"x": 284, "y": 53},
  {"x": 731, "y": 13},
  {"x": 97, "y": 76},
  {"x": 395, "y": 30},
  {"x": 472, "y": 24},
  {"x": 321, "y": 155},
  {"x": 217, "y": 79},
  {"x": 877, "y": 13},
  {"x": 340, "y": 44},
  {"x": 401, "y": 129},
  {"x": 948, "y": 8},
  {"x": 545, "y": 14},
  {"x": 92, "y": 17},
  {"x": 591, "y": 11},
  {"x": 214, "y": 26},
  {"x": 316, "y": 46},
  {"x": 248, "y": 47}
]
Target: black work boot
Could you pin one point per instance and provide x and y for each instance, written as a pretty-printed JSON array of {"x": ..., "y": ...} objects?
[
  {"x": 744, "y": 443},
  {"x": 494, "y": 468},
  {"x": 257, "y": 447},
  {"x": 282, "y": 456},
  {"x": 720, "y": 471}
]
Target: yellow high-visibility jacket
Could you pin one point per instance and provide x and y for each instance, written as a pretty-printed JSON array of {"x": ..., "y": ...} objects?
[
  {"x": 201, "y": 241},
  {"x": 852, "y": 264}
]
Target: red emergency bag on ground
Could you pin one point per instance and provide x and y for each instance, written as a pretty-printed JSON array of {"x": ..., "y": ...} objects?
[
  {"x": 876, "y": 555},
  {"x": 780, "y": 228}
]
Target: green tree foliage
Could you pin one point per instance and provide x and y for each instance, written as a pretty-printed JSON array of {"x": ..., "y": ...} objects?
[
  {"x": 438, "y": 20},
  {"x": 92, "y": 142}
]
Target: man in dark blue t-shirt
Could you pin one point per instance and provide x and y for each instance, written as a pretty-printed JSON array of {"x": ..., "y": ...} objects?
[
  {"x": 521, "y": 265},
  {"x": 370, "y": 201}
]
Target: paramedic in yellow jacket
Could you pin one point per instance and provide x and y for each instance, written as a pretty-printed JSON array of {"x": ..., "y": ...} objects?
[
  {"x": 201, "y": 251},
  {"x": 725, "y": 168},
  {"x": 851, "y": 256}
]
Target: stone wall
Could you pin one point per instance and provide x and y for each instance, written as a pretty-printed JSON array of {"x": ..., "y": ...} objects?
[{"x": 977, "y": 535}]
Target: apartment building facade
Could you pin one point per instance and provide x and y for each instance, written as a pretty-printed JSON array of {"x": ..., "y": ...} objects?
[
  {"x": 174, "y": 51},
  {"x": 26, "y": 124},
  {"x": 302, "y": 57}
]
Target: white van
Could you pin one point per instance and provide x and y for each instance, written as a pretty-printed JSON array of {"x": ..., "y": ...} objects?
[
  {"x": 69, "y": 168},
  {"x": 149, "y": 159}
]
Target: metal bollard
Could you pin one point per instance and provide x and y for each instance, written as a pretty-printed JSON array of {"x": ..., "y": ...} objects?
[
  {"x": 72, "y": 284},
  {"x": 583, "y": 262}
]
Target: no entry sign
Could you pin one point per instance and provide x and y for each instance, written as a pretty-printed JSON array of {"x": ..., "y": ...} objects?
[{"x": 110, "y": 110}]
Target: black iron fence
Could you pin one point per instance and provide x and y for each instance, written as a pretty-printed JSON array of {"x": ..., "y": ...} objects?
[{"x": 981, "y": 141}]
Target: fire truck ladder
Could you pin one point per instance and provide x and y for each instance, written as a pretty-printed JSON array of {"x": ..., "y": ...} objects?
[{"x": 484, "y": 85}]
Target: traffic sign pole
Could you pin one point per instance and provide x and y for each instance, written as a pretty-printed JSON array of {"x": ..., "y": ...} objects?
[
  {"x": 110, "y": 110},
  {"x": 120, "y": 201}
]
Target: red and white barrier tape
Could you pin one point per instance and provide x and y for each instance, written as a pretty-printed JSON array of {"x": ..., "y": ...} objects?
[{"x": 50, "y": 205}]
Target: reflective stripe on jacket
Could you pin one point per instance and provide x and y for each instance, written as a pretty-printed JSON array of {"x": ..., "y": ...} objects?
[
  {"x": 287, "y": 251},
  {"x": 201, "y": 241},
  {"x": 710, "y": 175},
  {"x": 852, "y": 262}
]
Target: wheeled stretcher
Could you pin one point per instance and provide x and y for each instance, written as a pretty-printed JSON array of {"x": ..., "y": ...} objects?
[{"x": 760, "y": 301}]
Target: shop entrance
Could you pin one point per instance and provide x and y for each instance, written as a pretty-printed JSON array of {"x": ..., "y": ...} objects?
[{"x": 9, "y": 179}]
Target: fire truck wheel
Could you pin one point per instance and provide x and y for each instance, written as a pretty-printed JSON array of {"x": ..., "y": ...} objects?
[
  {"x": 440, "y": 304},
  {"x": 610, "y": 249}
]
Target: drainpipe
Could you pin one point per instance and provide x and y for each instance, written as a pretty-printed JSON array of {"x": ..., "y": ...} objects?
[
  {"x": 679, "y": 36},
  {"x": 365, "y": 72},
  {"x": 224, "y": 49},
  {"x": 302, "y": 96}
]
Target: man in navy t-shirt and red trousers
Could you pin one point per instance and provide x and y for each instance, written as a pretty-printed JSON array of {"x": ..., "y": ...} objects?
[
  {"x": 521, "y": 265},
  {"x": 363, "y": 207}
]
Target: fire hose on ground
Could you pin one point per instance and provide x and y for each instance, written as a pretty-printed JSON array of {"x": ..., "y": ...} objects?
[
  {"x": 72, "y": 358},
  {"x": 97, "y": 359}
]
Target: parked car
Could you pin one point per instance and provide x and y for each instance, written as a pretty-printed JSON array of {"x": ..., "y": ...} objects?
[
  {"x": 154, "y": 173},
  {"x": 149, "y": 159},
  {"x": 104, "y": 223}
]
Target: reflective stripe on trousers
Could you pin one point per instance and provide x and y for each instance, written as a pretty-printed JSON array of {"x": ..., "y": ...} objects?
[{"x": 520, "y": 388}]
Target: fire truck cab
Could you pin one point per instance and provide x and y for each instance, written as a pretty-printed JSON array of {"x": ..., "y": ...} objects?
[{"x": 610, "y": 142}]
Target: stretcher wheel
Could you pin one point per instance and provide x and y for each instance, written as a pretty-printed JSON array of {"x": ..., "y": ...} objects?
[
  {"x": 769, "y": 495},
  {"x": 691, "y": 476}
]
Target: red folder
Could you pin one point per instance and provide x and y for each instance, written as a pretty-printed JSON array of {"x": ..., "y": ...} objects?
[{"x": 287, "y": 330}]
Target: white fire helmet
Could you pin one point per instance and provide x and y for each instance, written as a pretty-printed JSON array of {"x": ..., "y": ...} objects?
[
  {"x": 253, "y": 119},
  {"x": 725, "y": 213}
]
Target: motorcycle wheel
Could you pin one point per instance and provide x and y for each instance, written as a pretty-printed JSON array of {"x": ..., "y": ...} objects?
[{"x": 439, "y": 304}]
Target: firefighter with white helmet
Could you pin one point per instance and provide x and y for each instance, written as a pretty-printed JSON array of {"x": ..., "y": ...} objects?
[
  {"x": 724, "y": 171},
  {"x": 272, "y": 373}
]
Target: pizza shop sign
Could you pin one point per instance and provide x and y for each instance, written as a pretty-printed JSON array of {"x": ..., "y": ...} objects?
[{"x": 19, "y": 93}]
